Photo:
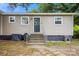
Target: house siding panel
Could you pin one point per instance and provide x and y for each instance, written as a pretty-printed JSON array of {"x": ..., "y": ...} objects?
[
  {"x": 49, "y": 28},
  {"x": 15, "y": 28},
  {"x": 0, "y": 24}
]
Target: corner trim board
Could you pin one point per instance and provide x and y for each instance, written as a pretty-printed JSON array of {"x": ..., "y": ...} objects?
[{"x": 1, "y": 26}]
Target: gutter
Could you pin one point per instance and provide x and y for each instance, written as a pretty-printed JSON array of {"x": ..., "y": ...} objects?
[{"x": 40, "y": 14}]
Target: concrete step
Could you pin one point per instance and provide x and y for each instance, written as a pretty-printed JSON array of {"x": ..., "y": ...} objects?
[
  {"x": 36, "y": 41},
  {"x": 36, "y": 38},
  {"x": 37, "y": 34}
]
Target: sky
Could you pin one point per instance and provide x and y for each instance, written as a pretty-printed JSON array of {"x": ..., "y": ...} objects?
[{"x": 4, "y": 7}]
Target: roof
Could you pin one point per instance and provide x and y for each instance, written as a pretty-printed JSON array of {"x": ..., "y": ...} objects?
[{"x": 40, "y": 14}]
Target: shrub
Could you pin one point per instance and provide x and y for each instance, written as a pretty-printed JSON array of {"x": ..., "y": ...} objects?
[{"x": 76, "y": 31}]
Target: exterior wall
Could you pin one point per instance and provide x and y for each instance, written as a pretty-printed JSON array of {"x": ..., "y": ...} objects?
[
  {"x": 17, "y": 28},
  {"x": 47, "y": 26},
  {"x": 50, "y": 28},
  {"x": 0, "y": 24}
]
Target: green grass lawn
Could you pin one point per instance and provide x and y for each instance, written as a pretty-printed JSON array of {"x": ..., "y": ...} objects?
[{"x": 74, "y": 42}]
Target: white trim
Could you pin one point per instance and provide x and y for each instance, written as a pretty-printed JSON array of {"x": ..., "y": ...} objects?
[
  {"x": 58, "y": 17},
  {"x": 14, "y": 19},
  {"x": 1, "y": 26},
  {"x": 40, "y": 23},
  {"x": 22, "y": 19},
  {"x": 40, "y": 14}
]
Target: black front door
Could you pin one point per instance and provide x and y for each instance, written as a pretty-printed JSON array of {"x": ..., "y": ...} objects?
[{"x": 36, "y": 24}]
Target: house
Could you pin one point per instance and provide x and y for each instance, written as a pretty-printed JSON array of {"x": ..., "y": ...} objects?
[{"x": 53, "y": 26}]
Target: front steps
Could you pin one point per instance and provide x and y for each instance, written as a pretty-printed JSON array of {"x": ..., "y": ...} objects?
[{"x": 36, "y": 39}]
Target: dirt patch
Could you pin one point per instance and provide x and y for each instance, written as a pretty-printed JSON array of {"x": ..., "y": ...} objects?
[
  {"x": 20, "y": 48},
  {"x": 15, "y": 48}
]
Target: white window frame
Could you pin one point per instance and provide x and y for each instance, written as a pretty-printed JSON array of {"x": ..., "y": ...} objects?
[
  {"x": 60, "y": 20},
  {"x": 10, "y": 19},
  {"x": 22, "y": 19}
]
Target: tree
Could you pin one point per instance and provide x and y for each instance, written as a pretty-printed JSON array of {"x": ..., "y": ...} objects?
[
  {"x": 12, "y": 6},
  {"x": 34, "y": 11},
  {"x": 45, "y": 7},
  {"x": 59, "y": 7}
]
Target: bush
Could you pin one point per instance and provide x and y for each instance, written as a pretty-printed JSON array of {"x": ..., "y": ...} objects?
[{"x": 76, "y": 31}]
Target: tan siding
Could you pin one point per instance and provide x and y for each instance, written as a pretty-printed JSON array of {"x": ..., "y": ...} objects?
[
  {"x": 0, "y": 24},
  {"x": 16, "y": 27},
  {"x": 52, "y": 29},
  {"x": 47, "y": 26}
]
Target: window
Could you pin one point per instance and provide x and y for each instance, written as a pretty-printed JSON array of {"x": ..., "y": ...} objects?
[
  {"x": 24, "y": 20},
  {"x": 58, "y": 20},
  {"x": 11, "y": 19}
]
